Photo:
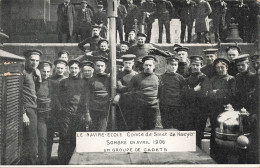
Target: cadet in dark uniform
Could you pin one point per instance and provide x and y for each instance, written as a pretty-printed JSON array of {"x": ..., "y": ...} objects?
[
  {"x": 87, "y": 70},
  {"x": 54, "y": 81},
  {"x": 222, "y": 92},
  {"x": 93, "y": 41},
  {"x": 170, "y": 91},
  {"x": 232, "y": 53},
  {"x": 126, "y": 100},
  {"x": 64, "y": 55},
  {"x": 210, "y": 56},
  {"x": 148, "y": 10},
  {"x": 31, "y": 82},
  {"x": 184, "y": 62},
  {"x": 219, "y": 10},
  {"x": 43, "y": 111},
  {"x": 142, "y": 48},
  {"x": 121, "y": 13},
  {"x": 100, "y": 18},
  {"x": 245, "y": 84},
  {"x": 186, "y": 13},
  {"x": 98, "y": 95},
  {"x": 195, "y": 97},
  {"x": 164, "y": 9},
  {"x": 144, "y": 87},
  {"x": 102, "y": 49},
  {"x": 124, "y": 46},
  {"x": 132, "y": 38},
  {"x": 70, "y": 95},
  {"x": 84, "y": 20}
]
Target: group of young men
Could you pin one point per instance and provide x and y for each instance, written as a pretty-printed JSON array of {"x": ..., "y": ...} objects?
[{"x": 188, "y": 11}]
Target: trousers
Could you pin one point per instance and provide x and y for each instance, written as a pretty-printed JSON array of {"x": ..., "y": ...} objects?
[{"x": 30, "y": 139}]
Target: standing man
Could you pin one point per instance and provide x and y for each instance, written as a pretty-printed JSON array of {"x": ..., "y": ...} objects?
[
  {"x": 93, "y": 41},
  {"x": 195, "y": 97},
  {"x": 128, "y": 112},
  {"x": 144, "y": 87},
  {"x": 210, "y": 55},
  {"x": 70, "y": 95},
  {"x": 241, "y": 14},
  {"x": 66, "y": 19},
  {"x": 84, "y": 20},
  {"x": 31, "y": 82},
  {"x": 133, "y": 13},
  {"x": 219, "y": 20},
  {"x": 98, "y": 95},
  {"x": 184, "y": 62},
  {"x": 164, "y": 9},
  {"x": 52, "y": 126},
  {"x": 186, "y": 13},
  {"x": 100, "y": 18},
  {"x": 43, "y": 111},
  {"x": 245, "y": 84},
  {"x": 170, "y": 91},
  {"x": 121, "y": 15},
  {"x": 202, "y": 11},
  {"x": 148, "y": 11}
]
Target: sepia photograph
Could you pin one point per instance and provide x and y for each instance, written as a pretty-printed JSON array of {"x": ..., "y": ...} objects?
[{"x": 129, "y": 83}]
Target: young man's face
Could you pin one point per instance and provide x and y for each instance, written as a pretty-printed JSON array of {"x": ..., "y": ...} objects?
[
  {"x": 74, "y": 69},
  {"x": 131, "y": 35},
  {"x": 210, "y": 58},
  {"x": 60, "y": 69},
  {"x": 119, "y": 68},
  {"x": 33, "y": 61},
  {"x": 195, "y": 67},
  {"x": 96, "y": 31},
  {"x": 64, "y": 57},
  {"x": 182, "y": 55},
  {"x": 87, "y": 71},
  {"x": 242, "y": 66},
  {"x": 100, "y": 67},
  {"x": 123, "y": 48},
  {"x": 128, "y": 65},
  {"x": 103, "y": 46},
  {"x": 45, "y": 72},
  {"x": 232, "y": 53},
  {"x": 149, "y": 66},
  {"x": 141, "y": 40},
  {"x": 100, "y": 9},
  {"x": 172, "y": 66},
  {"x": 221, "y": 68},
  {"x": 84, "y": 5}
]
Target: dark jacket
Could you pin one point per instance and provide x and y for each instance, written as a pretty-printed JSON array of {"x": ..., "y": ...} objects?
[
  {"x": 186, "y": 12},
  {"x": 133, "y": 12},
  {"x": 219, "y": 13},
  {"x": 202, "y": 11},
  {"x": 121, "y": 14},
  {"x": 71, "y": 15},
  {"x": 100, "y": 18},
  {"x": 84, "y": 19},
  {"x": 164, "y": 9},
  {"x": 209, "y": 70},
  {"x": 245, "y": 87},
  {"x": 144, "y": 88},
  {"x": 124, "y": 79},
  {"x": 151, "y": 8},
  {"x": 183, "y": 69},
  {"x": 241, "y": 13},
  {"x": 171, "y": 88}
]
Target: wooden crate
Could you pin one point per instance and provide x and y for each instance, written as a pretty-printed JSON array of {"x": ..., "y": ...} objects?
[{"x": 11, "y": 67}]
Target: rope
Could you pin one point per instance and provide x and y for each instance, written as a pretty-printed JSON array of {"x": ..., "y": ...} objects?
[{"x": 122, "y": 116}]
